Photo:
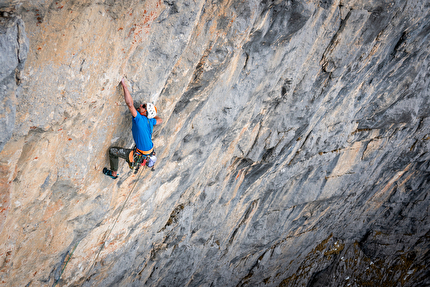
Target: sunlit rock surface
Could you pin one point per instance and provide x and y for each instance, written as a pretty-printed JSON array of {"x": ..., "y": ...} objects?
[{"x": 294, "y": 149}]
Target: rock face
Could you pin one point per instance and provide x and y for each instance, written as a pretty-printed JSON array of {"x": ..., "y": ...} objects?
[
  {"x": 13, "y": 53},
  {"x": 294, "y": 148}
]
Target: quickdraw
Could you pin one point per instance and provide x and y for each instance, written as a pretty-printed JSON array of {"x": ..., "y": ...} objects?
[{"x": 140, "y": 159}]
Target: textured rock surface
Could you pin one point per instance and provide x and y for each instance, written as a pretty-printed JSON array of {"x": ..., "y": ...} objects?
[
  {"x": 294, "y": 149},
  {"x": 13, "y": 53}
]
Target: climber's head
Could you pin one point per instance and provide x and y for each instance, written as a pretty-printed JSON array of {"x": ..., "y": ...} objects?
[
  {"x": 148, "y": 110},
  {"x": 151, "y": 111},
  {"x": 142, "y": 109}
]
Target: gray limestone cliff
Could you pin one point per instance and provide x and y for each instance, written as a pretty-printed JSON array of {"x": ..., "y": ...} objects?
[
  {"x": 294, "y": 148},
  {"x": 13, "y": 53}
]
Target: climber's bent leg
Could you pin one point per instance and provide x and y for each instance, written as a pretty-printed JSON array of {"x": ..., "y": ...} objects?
[{"x": 114, "y": 154}]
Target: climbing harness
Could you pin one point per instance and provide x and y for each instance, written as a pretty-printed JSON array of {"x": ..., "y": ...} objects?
[{"x": 141, "y": 158}]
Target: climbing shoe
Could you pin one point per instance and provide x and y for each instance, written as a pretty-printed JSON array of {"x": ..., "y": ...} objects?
[{"x": 108, "y": 172}]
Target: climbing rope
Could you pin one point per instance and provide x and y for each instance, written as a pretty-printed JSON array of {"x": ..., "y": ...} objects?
[
  {"x": 106, "y": 237},
  {"x": 116, "y": 220}
]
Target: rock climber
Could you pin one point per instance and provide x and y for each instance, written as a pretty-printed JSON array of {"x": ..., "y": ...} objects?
[{"x": 144, "y": 119}]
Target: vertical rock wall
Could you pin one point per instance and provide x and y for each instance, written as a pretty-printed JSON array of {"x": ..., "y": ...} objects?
[
  {"x": 14, "y": 48},
  {"x": 294, "y": 147}
]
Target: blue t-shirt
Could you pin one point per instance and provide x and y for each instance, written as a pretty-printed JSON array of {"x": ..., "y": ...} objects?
[{"x": 142, "y": 132}]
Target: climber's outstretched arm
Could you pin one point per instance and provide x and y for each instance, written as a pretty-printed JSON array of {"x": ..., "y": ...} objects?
[{"x": 128, "y": 99}]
